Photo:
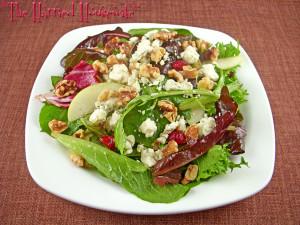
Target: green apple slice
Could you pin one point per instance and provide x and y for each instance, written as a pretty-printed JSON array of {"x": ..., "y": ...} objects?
[
  {"x": 228, "y": 62},
  {"x": 84, "y": 101},
  {"x": 197, "y": 113}
]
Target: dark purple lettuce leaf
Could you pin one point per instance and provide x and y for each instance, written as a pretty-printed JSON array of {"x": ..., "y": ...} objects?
[
  {"x": 73, "y": 58},
  {"x": 173, "y": 177},
  {"x": 84, "y": 51},
  {"x": 236, "y": 139},
  {"x": 104, "y": 37}
]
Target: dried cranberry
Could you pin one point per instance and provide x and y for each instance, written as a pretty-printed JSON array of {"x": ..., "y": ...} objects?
[
  {"x": 207, "y": 54},
  {"x": 108, "y": 141},
  {"x": 179, "y": 64},
  {"x": 177, "y": 136}
]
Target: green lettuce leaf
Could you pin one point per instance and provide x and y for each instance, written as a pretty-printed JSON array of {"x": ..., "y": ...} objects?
[
  {"x": 215, "y": 162},
  {"x": 132, "y": 175},
  {"x": 228, "y": 50},
  {"x": 50, "y": 112}
]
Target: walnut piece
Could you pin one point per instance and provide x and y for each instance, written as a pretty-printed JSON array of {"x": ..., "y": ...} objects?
[
  {"x": 155, "y": 145},
  {"x": 189, "y": 72},
  {"x": 148, "y": 71},
  {"x": 111, "y": 45},
  {"x": 100, "y": 66},
  {"x": 171, "y": 147},
  {"x": 164, "y": 35},
  {"x": 127, "y": 93},
  {"x": 65, "y": 88},
  {"x": 106, "y": 94},
  {"x": 169, "y": 109},
  {"x": 57, "y": 126},
  {"x": 112, "y": 60},
  {"x": 201, "y": 45},
  {"x": 77, "y": 159},
  {"x": 206, "y": 83},
  {"x": 190, "y": 174},
  {"x": 185, "y": 44},
  {"x": 126, "y": 48},
  {"x": 157, "y": 54},
  {"x": 80, "y": 134},
  {"x": 215, "y": 53},
  {"x": 191, "y": 133},
  {"x": 178, "y": 76}
]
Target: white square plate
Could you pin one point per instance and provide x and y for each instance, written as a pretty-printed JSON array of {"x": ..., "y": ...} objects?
[{"x": 49, "y": 166}]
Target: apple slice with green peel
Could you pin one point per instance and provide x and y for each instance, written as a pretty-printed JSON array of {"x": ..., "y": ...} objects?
[
  {"x": 84, "y": 101},
  {"x": 228, "y": 62},
  {"x": 197, "y": 113}
]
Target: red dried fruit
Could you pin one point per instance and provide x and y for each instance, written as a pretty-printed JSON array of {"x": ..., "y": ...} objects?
[
  {"x": 177, "y": 136},
  {"x": 109, "y": 141},
  {"x": 207, "y": 54},
  {"x": 179, "y": 64}
]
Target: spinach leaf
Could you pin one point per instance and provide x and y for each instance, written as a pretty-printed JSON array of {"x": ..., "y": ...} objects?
[
  {"x": 55, "y": 80},
  {"x": 132, "y": 175},
  {"x": 141, "y": 32},
  {"x": 50, "y": 112},
  {"x": 120, "y": 140}
]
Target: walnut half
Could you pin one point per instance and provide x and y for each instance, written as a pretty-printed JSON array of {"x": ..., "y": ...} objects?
[
  {"x": 176, "y": 75},
  {"x": 171, "y": 147},
  {"x": 77, "y": 159},
  {"x": 164, "y": 35},
  {"x": 170, "y": 110},
  {"x": 148, "y": 71},
  {"x": 65, "y": 88},
  {"x": 57, "y": 126},
  {"x": 190, "y": 174},
  {"x": 100, "y": 66},
  {"x": 127, "y": 93}
]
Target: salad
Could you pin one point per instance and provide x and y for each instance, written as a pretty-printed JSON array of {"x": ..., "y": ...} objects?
[{"x": 155, "y": 110}]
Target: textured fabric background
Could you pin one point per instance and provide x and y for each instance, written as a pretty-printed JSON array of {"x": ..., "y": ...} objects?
[{"x": 268, "y": 31}]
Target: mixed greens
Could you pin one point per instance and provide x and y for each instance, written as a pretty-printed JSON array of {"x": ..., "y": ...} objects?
[{"x": 155, "y": 110}]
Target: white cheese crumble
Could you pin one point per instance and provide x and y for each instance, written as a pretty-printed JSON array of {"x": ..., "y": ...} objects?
[
  {"x": 181, "y": 124},
  {"x": 156, "y": 43},
  {"x": 99, "y": 115},
  {"x": 119, "y": 73},
  {"x": 143, "y": 48},
  {"x": 208, "y": 70},
  {"x": 133, "y": 40},
  {"x": 122, "y": 57},
  {"x": 190, "y": 55},
  {"x": 172, "y": 85},
  {"x": 149, "y": 157},
  {"x": 148, "y": 127},
  {"x": 206, "y": 126},
  {"x": 130, "y": 141},
  {"x": 150, "y": 34},
  {"x": 112, "y": 121}
]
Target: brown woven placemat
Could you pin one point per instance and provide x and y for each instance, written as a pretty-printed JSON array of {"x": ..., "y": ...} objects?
[{"x": 268, "y": 31}]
